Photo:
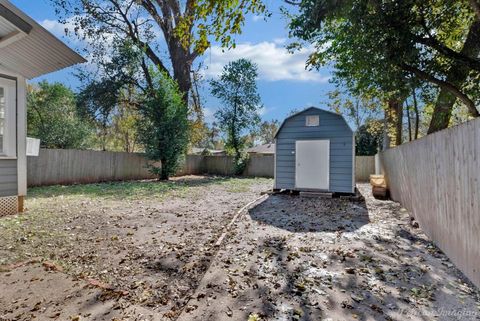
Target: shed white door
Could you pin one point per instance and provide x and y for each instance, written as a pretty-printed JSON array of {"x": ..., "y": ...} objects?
[{"x": 312, "y": 164}]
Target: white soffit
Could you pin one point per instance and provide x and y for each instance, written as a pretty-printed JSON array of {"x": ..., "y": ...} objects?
[{"x": 29, "y": 49}]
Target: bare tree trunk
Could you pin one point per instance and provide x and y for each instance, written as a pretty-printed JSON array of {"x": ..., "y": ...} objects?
[
  {"x": 395, "y": 112},
  {"x": 409, "y": 122},
  {"x": 182, "y": 67},
  {"x": 164, "y": 176},
  {"x": 168, "y": 15},
  {"x": 386, "y": 136},
  {"x": 457, "y": 75},
  {"x": 417, "y": 113}
]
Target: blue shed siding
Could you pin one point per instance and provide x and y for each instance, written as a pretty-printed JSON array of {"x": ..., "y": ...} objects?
[
  {"x": 332, "y": 127},
  {"x": 8, "y": 177}
]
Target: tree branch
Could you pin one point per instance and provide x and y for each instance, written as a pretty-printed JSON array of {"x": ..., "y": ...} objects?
[
  {"x": 445, "y": 85},
  {"x": 133, "y": 33},
  {"x": 472, "y": 63},
  {"x": 476, "y": 7},
  {"x": 148, "y": 5}
]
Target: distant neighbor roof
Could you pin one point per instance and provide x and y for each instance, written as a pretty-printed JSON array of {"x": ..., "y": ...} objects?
[
  {"x": 29, "y": 49},
  {"x": 200, "y": 150},
  {"x": 262, "y": 149}
]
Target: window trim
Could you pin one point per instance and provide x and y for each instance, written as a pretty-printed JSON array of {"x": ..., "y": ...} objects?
[
  {"x": 11, "y": 115},
  {"x": 316, "y": 123}
]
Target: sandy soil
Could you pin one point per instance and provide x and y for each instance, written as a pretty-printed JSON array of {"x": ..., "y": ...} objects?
[{"x": 289, "y": 258}]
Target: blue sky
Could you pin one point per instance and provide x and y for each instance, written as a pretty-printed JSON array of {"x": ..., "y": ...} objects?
[{"x": 284, "y": 84}]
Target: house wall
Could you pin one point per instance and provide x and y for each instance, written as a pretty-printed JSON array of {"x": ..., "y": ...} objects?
[
  {"x": 13, "y": 177},
  {"x": 332, "y": 127},
  {"x": 8, "y": 177}
]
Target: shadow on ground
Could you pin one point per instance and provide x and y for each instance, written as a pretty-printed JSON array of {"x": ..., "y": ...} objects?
[
  {"x": 297, "y": 258},
  {"x": 307, "y": 214}
]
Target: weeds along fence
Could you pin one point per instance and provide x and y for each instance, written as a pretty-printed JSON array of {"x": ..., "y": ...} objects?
[
  {"x": 437, "y": 178},
  {"x": 59, "y": 166}
]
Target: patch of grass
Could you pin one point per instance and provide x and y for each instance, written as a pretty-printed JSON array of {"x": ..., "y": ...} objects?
[
  {"x": 112, "y": 190},
  {"x": 30, "y": 235},
  {"x": 241, "y": 185},
  {"x": 142, "y": 189}
]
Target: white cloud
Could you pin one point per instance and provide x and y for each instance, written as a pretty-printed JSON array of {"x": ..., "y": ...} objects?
[
  {"x": 59, "y": 29},
  {"x": 209, "y": 114},
  {"x": 258, "y": 18},
  {"x": 54, "y": 27},
  {"x": 265, "y": 110},
  {"x": 274, "y": 62}
]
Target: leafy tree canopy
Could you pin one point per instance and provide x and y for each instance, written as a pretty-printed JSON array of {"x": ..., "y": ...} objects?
[
  {"x": 53, "y": 118},
  {"x": 109, "y": 97},
  {"x": 186, "y": 27},
  {"x": 267, "y": 131},
  {"x": 368, "y": 138},
  {"x": 385, "y": 48},
  {"x": 356, "y": 110},
  {"x": 163, "y": 125},
  {"x": 237, "y": 91}
]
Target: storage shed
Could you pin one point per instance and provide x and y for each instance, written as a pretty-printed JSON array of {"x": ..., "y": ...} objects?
[{"x": 315, "y": 151}]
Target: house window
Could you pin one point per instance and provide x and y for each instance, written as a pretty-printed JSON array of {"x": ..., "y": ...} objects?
[
  {"x": 2, "y": 118},
  {"x": 313, "y": 120},
  {"x": 7, "y": 118}
]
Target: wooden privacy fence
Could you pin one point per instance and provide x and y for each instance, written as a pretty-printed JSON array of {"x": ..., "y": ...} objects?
[
  {"x": 437, "y": 178},
  {"x": 364, "y": 167},
  {"x": 58, "y": 166},
  {"x": 69, "y": 166}
]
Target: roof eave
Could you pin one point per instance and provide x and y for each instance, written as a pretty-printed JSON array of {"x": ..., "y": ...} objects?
[
  {"x": 50, "y": 54},
  {"x": 308, "y": 108}
]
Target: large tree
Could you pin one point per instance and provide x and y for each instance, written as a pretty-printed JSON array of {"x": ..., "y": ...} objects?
[
  {"x": 109, "y": 97},
  {"x": 53, "y": 118},
  {"x": 357, "y": 109},
  {"x": 368, "y": 139},
  {"x": 267, "y": 130},
  {"x": 182, "y": 27},
  {"x": 163, "y": 126},
  {"x": 391, "y": 46},
  {"x": 237, "y": 90}
]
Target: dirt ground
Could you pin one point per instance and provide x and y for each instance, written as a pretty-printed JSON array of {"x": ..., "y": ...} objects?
[
  {"x": 130, "y": 251},
  {"x": 146, "y": 251},
  {"x": 297, "y": 258}
]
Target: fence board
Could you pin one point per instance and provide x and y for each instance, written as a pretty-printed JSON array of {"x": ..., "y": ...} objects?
[
  {"x": 67, "y": 166},
  {"x": 437, "y": 178},
  {"x": 57, "y": 166},
  {"x": 364, "y": 167}
]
